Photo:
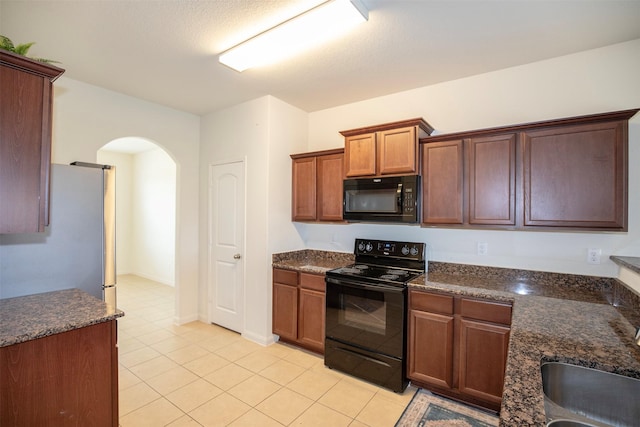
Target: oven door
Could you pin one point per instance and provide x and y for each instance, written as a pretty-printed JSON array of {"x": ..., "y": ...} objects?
[{"x": 368, "y": 316}]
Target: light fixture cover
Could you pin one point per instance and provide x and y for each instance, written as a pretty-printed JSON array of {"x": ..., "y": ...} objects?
[{"x": 323, "y": 22}]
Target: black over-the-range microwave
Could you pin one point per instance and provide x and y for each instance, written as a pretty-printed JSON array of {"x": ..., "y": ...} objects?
[{"x": 383, "y": 199}]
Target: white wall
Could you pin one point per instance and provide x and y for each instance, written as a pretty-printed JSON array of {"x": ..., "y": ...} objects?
[
  {"x": 238, "y": 133},
  {"x": 154, "y": 208},
  {"x": 145, "y": 212},
  {"x": 288, "y": 135},
  {"x": 263, "y": 132},
  {"x": 590, "y": 82},
  {"x": 86, "y": 117}
]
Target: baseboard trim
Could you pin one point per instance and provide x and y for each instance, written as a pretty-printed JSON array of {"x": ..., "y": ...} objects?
[
  {"x": 258, "y": 339},
  {"x": 182, "y": 320}
]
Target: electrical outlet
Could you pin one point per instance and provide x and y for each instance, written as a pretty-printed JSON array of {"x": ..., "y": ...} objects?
[
  {"x": 483, "y": 248},
  {"x": 593, "y": 255}
]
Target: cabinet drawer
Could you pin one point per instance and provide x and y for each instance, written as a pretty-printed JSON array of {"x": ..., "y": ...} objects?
[
  {"x": 488, "y": 311},
  {"x": 288, "y": 277},
  {"x": 435, "y": 303},
  {"x": 312, "y": 281}
]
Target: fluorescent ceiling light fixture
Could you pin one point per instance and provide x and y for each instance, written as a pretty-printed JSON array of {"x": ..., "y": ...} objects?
[{"x": 323, "y": 22}]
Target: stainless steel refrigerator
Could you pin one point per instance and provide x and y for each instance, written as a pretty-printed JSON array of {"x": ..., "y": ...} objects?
[{"x": 77, "y": 249}]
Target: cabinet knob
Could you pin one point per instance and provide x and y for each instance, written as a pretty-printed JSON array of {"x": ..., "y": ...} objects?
[{"x": 236, "y": 256}]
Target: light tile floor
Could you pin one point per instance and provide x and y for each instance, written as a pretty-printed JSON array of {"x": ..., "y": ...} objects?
[{"x": 204, "y": 375}]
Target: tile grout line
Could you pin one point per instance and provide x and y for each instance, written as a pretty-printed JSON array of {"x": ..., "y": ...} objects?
[{"x": 194, "y": 335}]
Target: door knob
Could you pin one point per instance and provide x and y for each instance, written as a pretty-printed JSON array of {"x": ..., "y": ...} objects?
[{"x": 236, "y": 256}]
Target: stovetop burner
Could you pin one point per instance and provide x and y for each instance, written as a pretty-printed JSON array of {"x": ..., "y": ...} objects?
[
  {"x": 382, "y": 273},
  {"x": 384, "y": 262}
]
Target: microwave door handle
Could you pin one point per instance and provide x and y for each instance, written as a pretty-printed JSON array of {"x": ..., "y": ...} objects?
[{"x": 399, "y": 197}]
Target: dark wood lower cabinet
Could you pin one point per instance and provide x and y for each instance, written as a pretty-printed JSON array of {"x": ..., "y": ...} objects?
[
  {"x": 311, "y": 321},
  {"x": 431, "y": 341},
  {"x": 458, "y": 346},
  {"x": 285, "y": 311},
  {"x": 299, "y": 308},
  {"x": 66, "y": 379},
  {"x": 483, "y": 357}
]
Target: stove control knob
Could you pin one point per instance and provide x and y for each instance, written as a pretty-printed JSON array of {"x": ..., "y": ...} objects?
[
  {"x": 414, "y": 250},
  {"x": 405, "y": 250},
  {"x": 361, "y": 246},
  {"x": 369, "y": 247}
]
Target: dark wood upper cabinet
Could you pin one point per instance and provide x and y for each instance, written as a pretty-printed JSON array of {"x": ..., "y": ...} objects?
[
  {"x": 303, "y": 203},
  {"x": 469, "y": 181},
  {"x": 329, "y": 186},
  {"x": 575, "y": 176},
  {"x": 398, "y": 151},
  {"x": 387, "y": 149},
  {"x": 492, "y": 179},
  {"x": 360, "y": 157},
  {"x": 560, "y": 174},
  {"x": 317, "y": 186},
  {"x": 442, "y": 182},
  {"x": 26, "y": 93}
]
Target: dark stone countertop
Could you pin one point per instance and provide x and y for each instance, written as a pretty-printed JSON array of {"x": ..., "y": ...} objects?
[
  {"x": 312, "y": 261},
  {"x": 630, "y": 262},
  {"x": 576, "y": 319},
  {"x": 40, "y": 315}
]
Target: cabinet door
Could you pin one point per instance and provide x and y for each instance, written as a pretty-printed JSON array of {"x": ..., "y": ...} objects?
[
  {"x": 442, "y": 172},
  {"x": 285, "y": 311},
  {"x": 303, "y": 202},
  {"x": 483, "y": 357},
  {"x": 397, "y": 151},
  {"x": 329, "y": 187},
  {"x": 360, "y": 155},
  {"x": 430, "y": 358},
  {"x": 311, "y": 319},
  {"x": 576, "y": 176},
  {"x": 492, "y": 164},
  {"x": 66, "y": 379},
  {"x": 25, "y": 143}
]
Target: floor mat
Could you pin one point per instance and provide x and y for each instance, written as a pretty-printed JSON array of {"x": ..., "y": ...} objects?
[{"x": 428, "y": 410}]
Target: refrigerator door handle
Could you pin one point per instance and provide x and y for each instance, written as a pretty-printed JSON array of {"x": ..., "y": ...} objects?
[{"x": 109, "y": 227}]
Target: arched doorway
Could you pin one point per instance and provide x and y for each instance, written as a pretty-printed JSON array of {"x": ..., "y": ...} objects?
[{"x": 145, "y": 210}]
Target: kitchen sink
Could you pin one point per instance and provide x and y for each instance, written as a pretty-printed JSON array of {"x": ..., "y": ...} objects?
[
  {"x": 568, "y": 423},
  {"x": 576, "y": 396}
]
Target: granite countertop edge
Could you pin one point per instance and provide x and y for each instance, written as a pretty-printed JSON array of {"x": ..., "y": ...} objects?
[
  {"x": 31, "y": 317},
  {"x": 630, "y": 262},
  {"x": 541, "y": 302},
  {"x": 311, "y": 260}
]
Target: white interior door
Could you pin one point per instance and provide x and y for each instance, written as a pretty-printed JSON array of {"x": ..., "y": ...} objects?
[{"x": 226, "y": 245}]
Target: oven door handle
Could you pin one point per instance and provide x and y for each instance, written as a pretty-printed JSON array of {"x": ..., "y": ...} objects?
[{"x": 360, "y": 285}]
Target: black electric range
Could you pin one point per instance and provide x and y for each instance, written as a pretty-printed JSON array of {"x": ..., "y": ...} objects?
[{"x": 366, "y": 311}]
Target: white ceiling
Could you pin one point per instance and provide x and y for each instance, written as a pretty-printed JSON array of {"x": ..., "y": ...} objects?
[{"x": 165, "y": 51}]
